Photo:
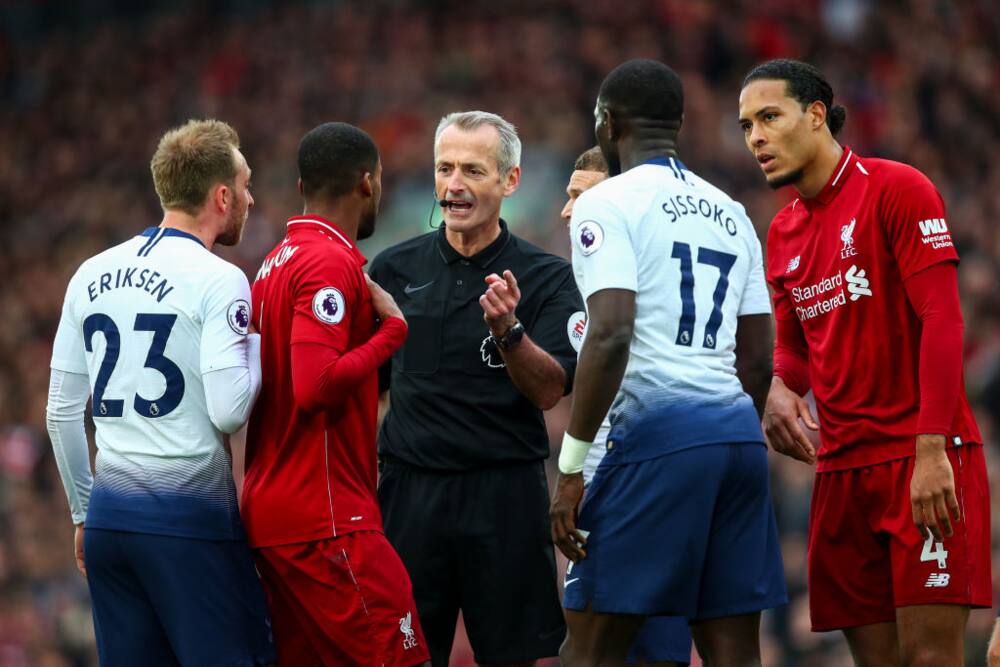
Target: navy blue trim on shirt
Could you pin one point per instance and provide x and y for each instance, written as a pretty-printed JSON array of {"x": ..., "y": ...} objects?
[
  {"x": 671, "y": 163},
  {"x": 155, "y": 234}
]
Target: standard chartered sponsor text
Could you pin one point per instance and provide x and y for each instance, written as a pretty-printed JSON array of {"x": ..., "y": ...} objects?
[{"x": 829, "y": 284}]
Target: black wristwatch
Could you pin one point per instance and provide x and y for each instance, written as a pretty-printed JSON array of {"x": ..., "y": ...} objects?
[{"x": 511, "y": 339}]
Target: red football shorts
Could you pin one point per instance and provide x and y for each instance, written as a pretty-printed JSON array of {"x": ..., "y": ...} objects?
[
  {"x": 867, "y": 558},
  {"x": 341, "y": 601}
]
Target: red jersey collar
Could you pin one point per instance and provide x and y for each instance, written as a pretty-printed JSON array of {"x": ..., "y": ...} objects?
[
  {"x": 327, "y": 229},
  {"x": 840, "y": 175}
]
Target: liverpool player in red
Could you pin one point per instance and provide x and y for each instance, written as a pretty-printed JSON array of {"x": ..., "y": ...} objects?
[
  {"x": 866, "y": 299},
  {"x": 338, "y": 593}
]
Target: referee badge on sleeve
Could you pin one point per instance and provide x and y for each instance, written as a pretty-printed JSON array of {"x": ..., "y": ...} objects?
[
  {"x": 328, "y": 305},
  {"x": 589, "y": 237},
  {"x": 238, "y": 315}
]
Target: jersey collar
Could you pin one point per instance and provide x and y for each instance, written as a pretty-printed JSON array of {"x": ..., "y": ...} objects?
[
  {"x": 484, "y": 257},
  {"x": 326, "y": 228},
  {"x": 836, "y": 182},
  {"x": 171, "y": 231},
  {"x": 672, "y": 163}
]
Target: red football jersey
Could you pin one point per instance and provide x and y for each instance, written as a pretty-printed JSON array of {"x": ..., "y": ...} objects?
[
  {"x": 836, "y": 264},
  {"x": 310, "y": 475}
]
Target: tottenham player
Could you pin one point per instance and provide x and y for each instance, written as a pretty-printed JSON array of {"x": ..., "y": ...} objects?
[
  {"x": 866, "y": 298},
  {"x": 664, "y": 641},
  {"x": 338, "y": 592},
  {"x": 678, "y": 519},
  {"x": 155, "y": 329}
]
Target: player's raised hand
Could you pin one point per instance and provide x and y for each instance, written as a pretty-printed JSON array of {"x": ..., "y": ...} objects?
[
  {"x": 78, "y": 549},
  {"x": 562, "y": 513},
  {"x": 781, "y": 423},
  {"x": 932, "y": 488},
  {"x": 382, "y": 302},
  {"x": 499, "y": 302}
]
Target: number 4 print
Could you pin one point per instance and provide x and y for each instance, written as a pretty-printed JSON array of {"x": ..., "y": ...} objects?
[
  {"x": 720, "y": 260},
  {"x": 937, "y": 553}
]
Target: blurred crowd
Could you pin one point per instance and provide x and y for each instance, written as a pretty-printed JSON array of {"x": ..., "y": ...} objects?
[{"x": 86, "y": 89}]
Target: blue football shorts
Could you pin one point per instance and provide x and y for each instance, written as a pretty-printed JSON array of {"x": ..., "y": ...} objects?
[
  {"x": 164, "y": 600},
  {"x": 689, "y": 533}
]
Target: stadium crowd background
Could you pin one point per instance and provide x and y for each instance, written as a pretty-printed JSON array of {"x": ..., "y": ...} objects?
[{"x": 87, "y": 88}]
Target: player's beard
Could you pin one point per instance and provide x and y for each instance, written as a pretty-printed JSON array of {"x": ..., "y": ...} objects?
[
  {"x": 780, "y": 181},
  {"x": 367, "y": 225},
  {"x": 233, "y": 232}
]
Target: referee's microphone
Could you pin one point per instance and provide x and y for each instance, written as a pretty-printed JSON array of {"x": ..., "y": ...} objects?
[{"x": 443, "y": 203}]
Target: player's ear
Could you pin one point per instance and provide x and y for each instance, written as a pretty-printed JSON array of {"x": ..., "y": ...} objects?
[
  {"x": 511, "y": 181},
  {"x": 615, "y": 123},
  {"x": 366, "y": 185},
  {"x": 302, "y": 189},
  {"x": 222, "y": 197},
  {"x": 817, "y": 115}
]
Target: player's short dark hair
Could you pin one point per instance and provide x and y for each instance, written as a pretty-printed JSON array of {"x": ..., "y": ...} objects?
[
  {"x": 591, "y": 159},
  {"x": 645, "y": 89},
  {"x": 805, "y": 83},
  {"x": 333, "y": 157}
]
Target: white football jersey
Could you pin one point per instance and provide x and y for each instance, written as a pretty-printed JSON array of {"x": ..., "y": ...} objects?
[
  {"x": 691, "y": 255},
  {"x": 144, "y": 320}
]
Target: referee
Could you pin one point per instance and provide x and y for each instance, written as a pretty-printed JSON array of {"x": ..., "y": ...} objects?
[{"x": 492, "y": 342}]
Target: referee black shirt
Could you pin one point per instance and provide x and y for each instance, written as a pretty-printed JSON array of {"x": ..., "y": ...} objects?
[{"x": 453, "y": 405}]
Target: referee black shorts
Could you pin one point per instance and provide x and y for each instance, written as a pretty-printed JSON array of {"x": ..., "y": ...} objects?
[{"x": 479, "y": 542}]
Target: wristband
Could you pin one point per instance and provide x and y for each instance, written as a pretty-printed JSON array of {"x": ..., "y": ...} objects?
[{"x": 573, "y": 454}]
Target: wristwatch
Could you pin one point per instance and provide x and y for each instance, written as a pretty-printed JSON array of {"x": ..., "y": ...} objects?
[{"x": 511, "y": 339}]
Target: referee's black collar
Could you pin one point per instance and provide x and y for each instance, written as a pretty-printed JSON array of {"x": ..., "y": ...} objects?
[{"x": 484, "y": 257}]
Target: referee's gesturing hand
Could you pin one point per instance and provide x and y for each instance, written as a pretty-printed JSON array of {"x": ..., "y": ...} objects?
[{"x": 499, "y": 302}]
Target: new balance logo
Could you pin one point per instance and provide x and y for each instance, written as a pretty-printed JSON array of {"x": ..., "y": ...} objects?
[
  {"x": 933, "y": 227},
  {"x": 938, "y": 580},
  {"x": 793, "y": 263},
  {"x": 857, "y": 284}
]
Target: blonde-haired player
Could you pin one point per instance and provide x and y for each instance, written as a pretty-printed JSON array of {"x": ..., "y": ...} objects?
[{"x": 155, "y": 330}]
